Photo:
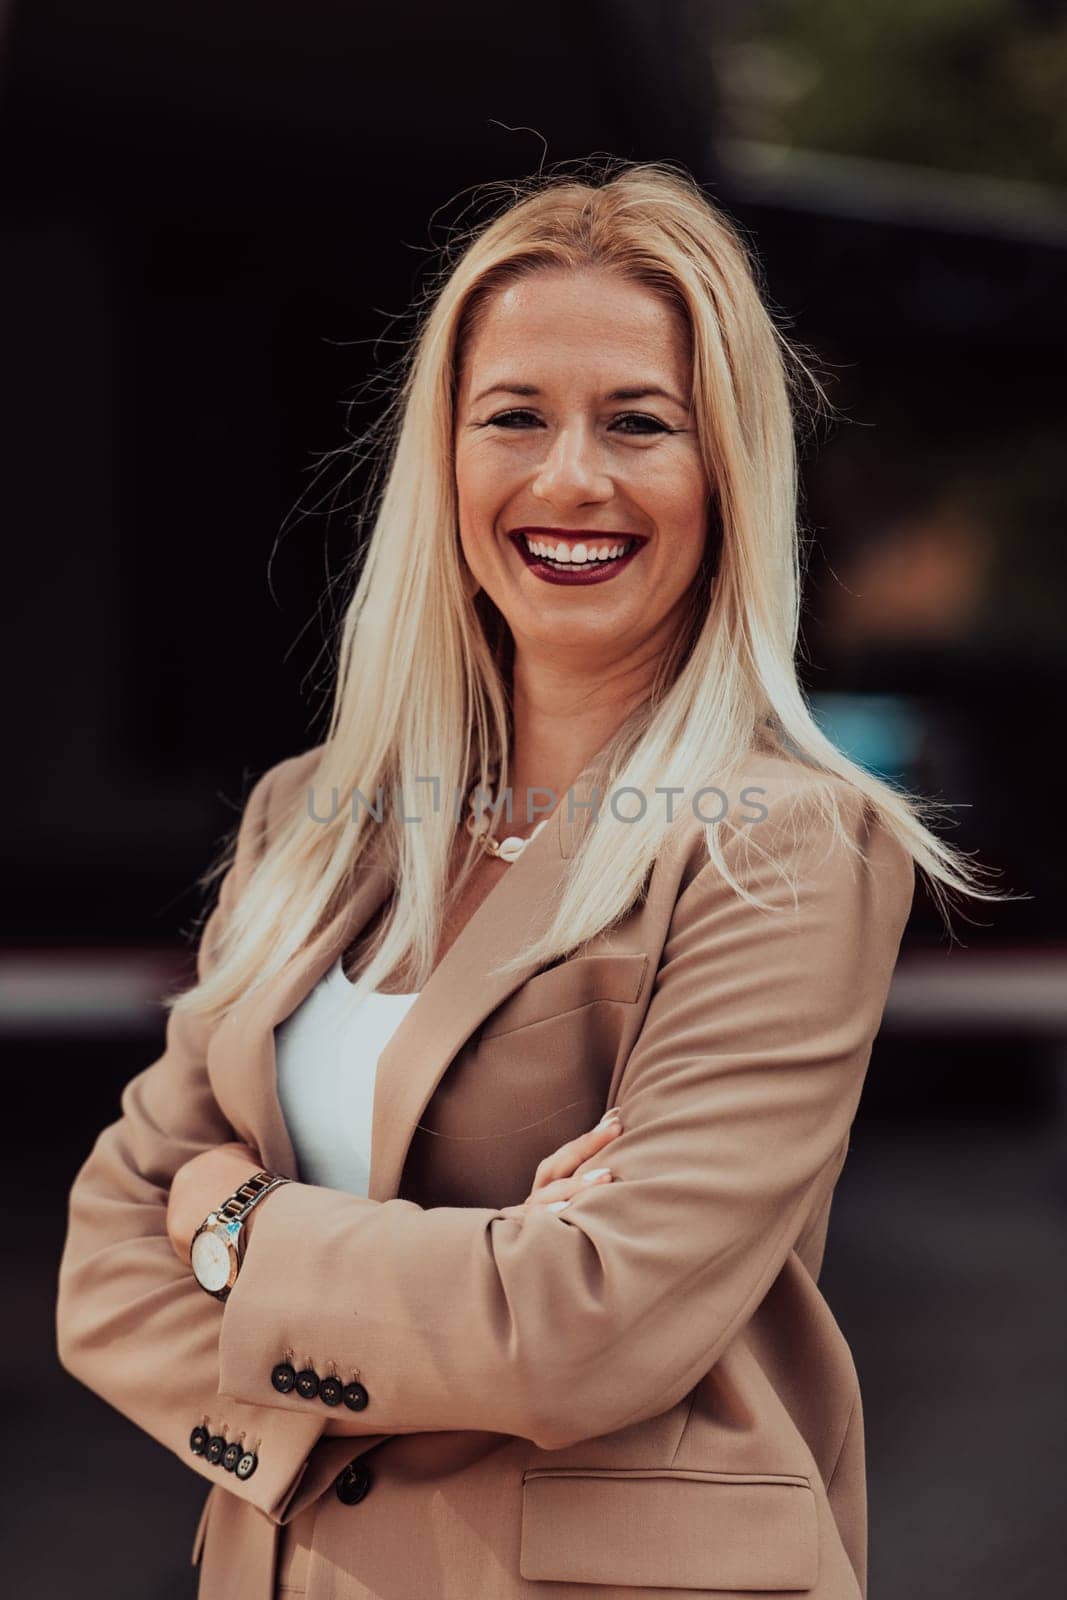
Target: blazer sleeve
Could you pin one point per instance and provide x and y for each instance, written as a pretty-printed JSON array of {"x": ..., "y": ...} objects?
[
  {"x": 132, "y": 1323},
  {"x": 737, "y": 1101}
]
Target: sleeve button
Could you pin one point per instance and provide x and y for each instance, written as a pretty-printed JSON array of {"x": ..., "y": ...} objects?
[
  {"x": 231, "y": 1456},
  {"x": 307, "y": 1383},
  {"x": 283, "y": 1377},
  {"x": 247, "y": 1465},
  {"x": 355, "y": 1396},
  {"x": 198, "y": 1441},
  {"x": 215, "y": 1447},
  {"x": 330, "y": 1391}
]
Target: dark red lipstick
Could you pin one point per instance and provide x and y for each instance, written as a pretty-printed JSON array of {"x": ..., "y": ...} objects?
[{"x": 582, "y": 546}]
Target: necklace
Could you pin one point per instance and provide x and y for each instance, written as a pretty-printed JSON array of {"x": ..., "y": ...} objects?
[{"x": 479, "y": 822}]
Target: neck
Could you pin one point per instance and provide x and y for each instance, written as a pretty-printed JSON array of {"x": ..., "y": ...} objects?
[{"x": 561, "y": 718}]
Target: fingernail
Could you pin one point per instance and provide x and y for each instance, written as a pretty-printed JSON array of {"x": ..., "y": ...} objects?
[
  {"x": 609, "y": 1116},
  {"x": 598, "y": 1172},
  {"x": 557, "y": 1205}
]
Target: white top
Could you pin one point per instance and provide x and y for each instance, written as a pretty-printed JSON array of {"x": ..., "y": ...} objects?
[{"x": 327, "y": 1056}]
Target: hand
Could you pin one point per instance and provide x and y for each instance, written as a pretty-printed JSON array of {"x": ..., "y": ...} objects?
[
  {"x": 201, "y": 1185},
  {"x": 557, "y": 1180}
]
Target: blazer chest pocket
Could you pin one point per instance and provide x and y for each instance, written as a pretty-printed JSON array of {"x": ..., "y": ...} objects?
[
  {"x": 533, "y": 1076},
  {"x": 569, "y": 987},
  {"x": 669, "y": 1528}
]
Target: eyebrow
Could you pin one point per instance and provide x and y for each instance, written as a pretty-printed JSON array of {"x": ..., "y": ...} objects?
[{"x": 641, "y": 391}]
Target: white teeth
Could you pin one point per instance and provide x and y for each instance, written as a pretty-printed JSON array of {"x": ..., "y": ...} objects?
[{"x": 578, "y": 555}]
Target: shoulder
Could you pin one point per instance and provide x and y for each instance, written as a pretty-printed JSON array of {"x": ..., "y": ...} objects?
[
  {"x": 288, "y": 779},
  {"x": 271, "y": 797},
  {"x": 784, "y": 785},
  {"x": 786, "y": 825},
  {"x": 769, "y": 798}
]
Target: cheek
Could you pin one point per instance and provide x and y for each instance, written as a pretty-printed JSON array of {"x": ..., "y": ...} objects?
[
  {"x": 475, "y": 504},
  {"x": 480, "y": 480},
  {"x": 678, "y": 502}
]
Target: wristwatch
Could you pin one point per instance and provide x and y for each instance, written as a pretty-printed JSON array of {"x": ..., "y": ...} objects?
[{"x": 216, "y": 1251}]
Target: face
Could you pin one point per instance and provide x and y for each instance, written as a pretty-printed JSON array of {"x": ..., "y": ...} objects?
[{"x": 583, "y": 500}]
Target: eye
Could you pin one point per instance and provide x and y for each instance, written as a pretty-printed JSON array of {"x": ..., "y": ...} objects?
[
  {"x": 645, "y": 424},
  {"x": 638, "y": 424},
  {"x": 513, "y": 419}
]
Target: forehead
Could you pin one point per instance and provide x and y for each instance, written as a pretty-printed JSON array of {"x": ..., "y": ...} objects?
[{"x": 555, "y": 324}]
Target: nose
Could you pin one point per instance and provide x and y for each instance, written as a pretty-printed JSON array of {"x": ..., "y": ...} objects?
[{"x": 572, "y": 472}]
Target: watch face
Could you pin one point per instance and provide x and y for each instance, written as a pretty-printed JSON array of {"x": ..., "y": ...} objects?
[{"x": 210, "y": 1259}]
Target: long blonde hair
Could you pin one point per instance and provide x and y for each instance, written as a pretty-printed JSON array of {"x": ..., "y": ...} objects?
[{"x": 422, "y": 666}]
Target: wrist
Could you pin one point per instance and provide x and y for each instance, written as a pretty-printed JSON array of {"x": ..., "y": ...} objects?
[
  {"x": 200, "y": 1185},
  {"x": 212, "y": 1197},
  {"x": 219, "y": 1243},
  {"x": 253, "y": 1216}
]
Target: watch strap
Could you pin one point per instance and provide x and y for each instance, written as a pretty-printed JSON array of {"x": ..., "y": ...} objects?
[{"x": 242, "y": 1201}]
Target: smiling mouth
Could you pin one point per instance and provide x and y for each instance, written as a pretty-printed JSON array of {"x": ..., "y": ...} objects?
[{"x": 590, "y": 554}]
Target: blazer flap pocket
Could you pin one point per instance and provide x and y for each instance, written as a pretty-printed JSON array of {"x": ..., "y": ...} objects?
[
  {"x": 669, "y": 1528},
  {"x": 568, "y": 986}
]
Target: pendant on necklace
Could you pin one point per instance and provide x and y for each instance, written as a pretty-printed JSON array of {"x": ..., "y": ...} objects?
[{"x": 478, "y": 825}]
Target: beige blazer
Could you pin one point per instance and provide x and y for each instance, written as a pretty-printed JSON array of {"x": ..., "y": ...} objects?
[{"x": 642, "y": 1395}]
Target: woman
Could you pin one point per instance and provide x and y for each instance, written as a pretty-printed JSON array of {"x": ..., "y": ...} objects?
[{"x": 523, "y": 1349}]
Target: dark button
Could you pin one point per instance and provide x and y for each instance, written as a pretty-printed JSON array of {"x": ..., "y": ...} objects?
[
  {"x": 355, "y": 1396},
  {"x": 330, "y": 1391},
  {"x": 247, "y": 1464},
  {"x": 215, "y": 1446},
  {"x": 307, "y": 1384},
  {"x": 231, "y": 1456},
  {"x": 198, "y": 1441},
  {"x": 353, "y": 1483},
  {"x": 283, "y": 1377}
]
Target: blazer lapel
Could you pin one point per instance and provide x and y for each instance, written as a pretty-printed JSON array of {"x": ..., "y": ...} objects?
[
  {"x": 242, "y": 1046},
  {"x": 460, "y": 994},
  {"x": 464, "y": 988}
]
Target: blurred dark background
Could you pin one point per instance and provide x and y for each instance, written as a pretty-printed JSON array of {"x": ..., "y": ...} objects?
[{"x": 212, "y": 222}]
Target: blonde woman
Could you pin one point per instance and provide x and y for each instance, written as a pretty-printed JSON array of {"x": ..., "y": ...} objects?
[{"x": 465, "y": 1238}]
